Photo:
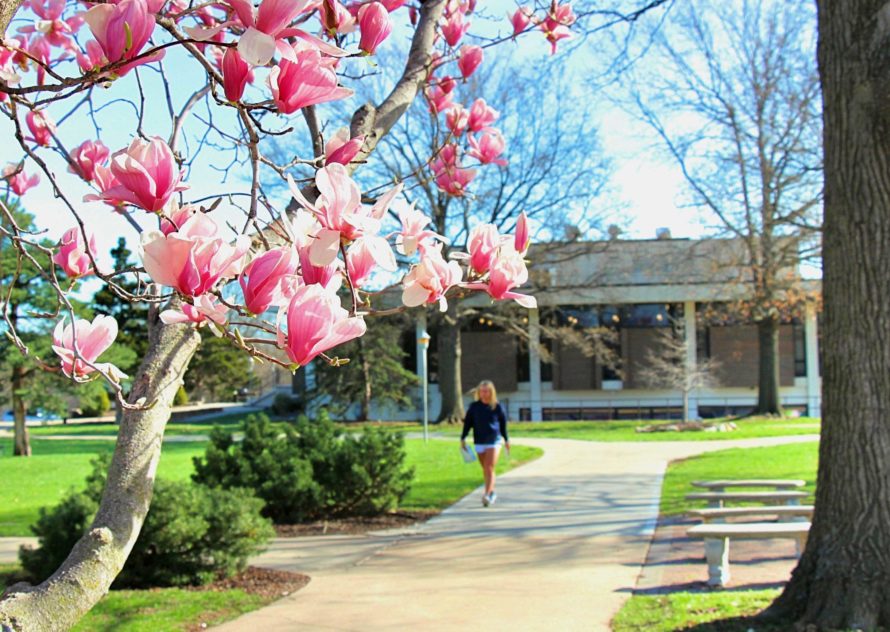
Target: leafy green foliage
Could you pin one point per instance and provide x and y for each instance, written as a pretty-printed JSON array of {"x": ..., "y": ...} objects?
[
  {"x": 309, "y": 470},
  {"x": 219, "y": 371},
  {"x": 375, "y": 372},
  {"x": 192, "y": 534}
]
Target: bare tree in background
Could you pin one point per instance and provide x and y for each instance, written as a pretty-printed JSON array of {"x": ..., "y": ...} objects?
[
  {"x": 734, "y": 97},
  {"x": 556, "y": 173},
  {"x": 667, "y": 366}
]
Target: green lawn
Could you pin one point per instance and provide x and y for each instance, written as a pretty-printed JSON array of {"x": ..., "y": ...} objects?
[
  {"x": 796, "y": 461},
  {"x": 58, "y": 465},
  {"x": 626, "y": 430},
  {"x": 156, "y": 610},
  {"x": 441, "y": 476},
  {"x": 683, "y": 610}
]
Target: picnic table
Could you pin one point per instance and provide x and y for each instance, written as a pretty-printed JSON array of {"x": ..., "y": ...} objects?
[
  {"x": 775, "y": 483},
  {"x": 781, "y": 497}
]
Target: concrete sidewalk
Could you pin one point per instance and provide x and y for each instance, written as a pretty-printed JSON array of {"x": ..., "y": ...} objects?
[{"x": 561, "y": 550}]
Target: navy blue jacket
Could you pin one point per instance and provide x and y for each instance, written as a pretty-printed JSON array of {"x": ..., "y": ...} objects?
[{"x": 487, "y": 423}]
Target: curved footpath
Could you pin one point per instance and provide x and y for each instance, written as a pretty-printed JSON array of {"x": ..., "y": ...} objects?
[{"x": 561, "y": 550}]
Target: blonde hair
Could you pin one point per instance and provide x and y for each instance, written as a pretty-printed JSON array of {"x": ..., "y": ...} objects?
[{"x": 494, "y": 392}]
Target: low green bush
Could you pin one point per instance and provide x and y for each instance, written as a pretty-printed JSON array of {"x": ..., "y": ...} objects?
[
  {"x": 284, "y": 405},
  {"x": 309, "y": 469},
  {"x": 192, "y": 534}
]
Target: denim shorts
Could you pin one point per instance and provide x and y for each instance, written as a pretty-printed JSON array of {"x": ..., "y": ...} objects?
[{"x": 482, "y": 447}]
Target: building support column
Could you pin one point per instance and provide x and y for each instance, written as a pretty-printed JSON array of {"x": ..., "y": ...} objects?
[
  {"x": 814, "y": 382},
  {"x": 691, "y": 351},
  {"x": 534, "y": 364}
]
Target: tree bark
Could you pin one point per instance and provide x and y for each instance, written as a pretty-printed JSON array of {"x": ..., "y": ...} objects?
[
  {"x": 99, "y": 555},
  {"x": 449, "y": 354},
  {"x": 768, "y": 400},
  {"x": 22, "y": 444},
  {"x": 8, "y": 9},
  {"x": 843, "y": 578}
]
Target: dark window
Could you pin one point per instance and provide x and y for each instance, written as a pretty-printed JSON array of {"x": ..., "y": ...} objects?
[{"x": 800, "y": 350}]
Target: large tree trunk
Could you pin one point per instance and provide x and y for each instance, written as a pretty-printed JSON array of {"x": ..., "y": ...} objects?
[
  {"x": 768, "y": 400},
  {"x": 449, "y": 353},
  {"x": 99, "y": 555},
  {"x": 22, "y": 444},
  {"x": 843, "y": 578}
]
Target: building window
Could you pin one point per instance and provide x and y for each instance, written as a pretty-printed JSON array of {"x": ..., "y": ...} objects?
[{"x": 800, "y": 349}]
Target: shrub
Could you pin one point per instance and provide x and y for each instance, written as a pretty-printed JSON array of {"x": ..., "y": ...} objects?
[
  {"x": 284, "y": 405},
  {"x": 94, "y": 401},
  {"x": 309, "y": 470},
  {"x": 192, "y": 534},
  {"x": 181, "y": 398}
]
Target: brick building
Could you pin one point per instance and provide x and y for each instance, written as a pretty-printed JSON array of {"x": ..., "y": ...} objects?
[{"x": 634, "y": 288}]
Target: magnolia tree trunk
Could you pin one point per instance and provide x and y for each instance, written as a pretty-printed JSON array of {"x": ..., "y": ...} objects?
[
  {"x": 22, "y": 444},
  {"x": 99, "y": 555},
  {"x": 768, "y": 400},
  {"x": 843, "y": 578},
  {"x": 449, "y": 353}
]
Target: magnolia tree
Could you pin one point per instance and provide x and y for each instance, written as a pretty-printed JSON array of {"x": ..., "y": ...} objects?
[{"x": 284, "y": 283}]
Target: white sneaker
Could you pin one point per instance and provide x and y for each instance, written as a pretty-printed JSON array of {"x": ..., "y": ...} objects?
[
  {"x": 485, "y": 500},
  {"x": 492, "y": 497}
]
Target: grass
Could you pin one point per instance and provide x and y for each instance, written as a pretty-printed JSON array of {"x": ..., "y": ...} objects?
[
  {"x": 58, "y": 466},
  {"x": 441, "y": 477},
  {"x": 702, "y": 612},
  {"x": 156, "y": 610},
  {"x": 626, "y": 430},
  {"x": 795, "y": 461}
]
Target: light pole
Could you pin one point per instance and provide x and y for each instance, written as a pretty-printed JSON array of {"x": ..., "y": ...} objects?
[{"x": 423, "y": 339}]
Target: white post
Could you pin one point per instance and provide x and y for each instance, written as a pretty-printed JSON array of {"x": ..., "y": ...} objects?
[
  {"x": 423, "y": 343},
  {"x": 691, "y": 351},
  {"x": 814, "y": 383},
  {"x": 534, "y": 364}
]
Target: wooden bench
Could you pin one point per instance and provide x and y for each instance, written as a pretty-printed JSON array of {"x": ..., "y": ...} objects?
[
  {"x": 717, "y": 537},
  {"x": 716, "y": 499},
  {"x": 780, "y": 511},
  {"x": 775, "y": 483}
]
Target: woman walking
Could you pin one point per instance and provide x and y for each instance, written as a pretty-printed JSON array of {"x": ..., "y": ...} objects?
[{"x": 488, "y": 421}]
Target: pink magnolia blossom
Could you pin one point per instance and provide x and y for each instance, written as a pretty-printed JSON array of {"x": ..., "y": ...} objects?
[
  {"x": 41, "y": 127},
  {"x": 457, "y": 118},
  {"x": 341, "y": 148},
  {"x": 364, "y": 255},
  {"x": 236, "y": 73},
  {"x": 51, "y": 27},
  {"x": 556, "y": 25},
  {"x": 146, "y": 175},
  {"x": 80, "y": 345},
  {"x": 481, "y": 115},
  {"x": 193, "y": 259},
  {"x": 489, "y": 146},
  {"x": 317, "y": 322},
  {"x": 86, "y": 157},
  {"x": 175, "y": 216},
  {"x": 448, "y": 84},
  {"x": 106, "y": 182},
  {"x": 450, "y": 176},
  {"x": 392, "y": 5},
  {"x": 340, "y": 211},
  {"x": 507, "y": 272},
  {"x": 438, "y": 99},
  {"x": 121, "y": 29},
  {"x": 520, "y": 20},
  {"x": 93, "y": 58},
  {"x": 429, "y": 280},
  {"x": 375, "y": 25},
  {"x": 414, "y": 234},
  {"x": 483, "y": 245},
  {"x": 268, "y": 29},
  {"x": 469, "y": 60},
  {"x": 73, "y": 255},
  {"x": 303, "y": 231},
  {"x": 335, "y": 18},
  {"x": 14, "y": 174},
  {"x": 454, "y": 28},
  {"x": 206, "y": 309},
  {"x": 267, "y": 280},
  {"x": 522, "y": 239},
  {"x": 308, "y": 80}
]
